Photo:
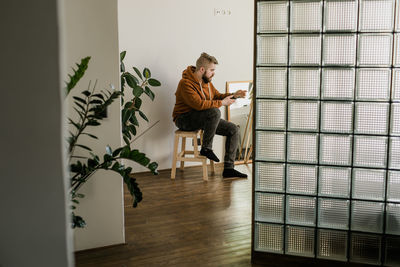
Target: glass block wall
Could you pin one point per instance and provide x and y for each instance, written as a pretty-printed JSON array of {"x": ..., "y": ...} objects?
[{"x": 327, "y": 134}]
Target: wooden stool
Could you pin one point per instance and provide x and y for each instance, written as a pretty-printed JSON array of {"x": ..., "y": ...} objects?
[{"x": 181, "y": 156}]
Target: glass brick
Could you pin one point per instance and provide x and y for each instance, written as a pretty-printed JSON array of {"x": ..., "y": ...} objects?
[
  {"x": 332, "y": 245},
  {"x": 376, "y": 15},
  {"x": 300, "y": 210},
  {"x": 302, "y": 148},
  {"x": 373, "y": 84},
  {"x": 306, "y": 16},
  {"x": 394, "y": 153},
  {"x": 337, "y": 117},
  {"x": 369, "y": 184},
  {"x": 392, "y": 255},
  {"x": 303, "y": 115},
  {"x": 335, "y": 149},
  {"x": 334, "y": 181},
  {"x": 271, "y": 82},
  {"x": 396, "y": 84},
  {"x": 301, "y": 179},
  {"x": 395, "y": 119},
  {"x": 270, "y": 146},
  {"x": 304, "y": 83},
  {"x": 393, "y": 218},
  {"x": 300, "y": 241},
  {"x": 365, "y": 248},
  {"x": 333, "y": 213},
  {"x": 269, "y": 176},
  {"x": 268, "y": 237},
  {"x": 393, "y": 191},
  {"x": 269, "y": 207},
  {"x": 305, "y": 49},
  {"x": 271, "y": 114},
  {"x": 340, "y": 15},
  {"x": 375, "y": 49},
  {"x": 367, "y": 216},
  {"x": 272, "y": 16},
  {"x": 338, "y": 84},
  {"x": 370, "y": 151},
  {"x": 396, "y": 59},
  {"x": 371, "y": 118},
  {"x": 339, "y": 50},
  {"x": 272, "y": 50}
]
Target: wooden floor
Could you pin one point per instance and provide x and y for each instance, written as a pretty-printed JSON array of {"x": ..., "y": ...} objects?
[{"x": 186, "y": 222}]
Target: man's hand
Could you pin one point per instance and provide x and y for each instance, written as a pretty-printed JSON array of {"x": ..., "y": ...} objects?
[
  {"x": 239, "y": 94},
  {"x": 227, "y": 101}
]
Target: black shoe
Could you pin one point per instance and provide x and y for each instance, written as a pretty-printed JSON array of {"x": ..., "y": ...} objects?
[
  {"x": 230, "y": 173},
  {"x": 208, "y": 153}
]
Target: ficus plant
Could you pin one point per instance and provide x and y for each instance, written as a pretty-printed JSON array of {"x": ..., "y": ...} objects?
[{"x": 90, "y": 106}]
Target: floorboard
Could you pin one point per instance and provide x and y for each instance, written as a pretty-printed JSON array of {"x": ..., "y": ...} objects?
[{"x": 186, "y": 222}]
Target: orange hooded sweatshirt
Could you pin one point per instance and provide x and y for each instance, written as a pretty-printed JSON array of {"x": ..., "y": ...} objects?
[{"x": 189, "y": 94}]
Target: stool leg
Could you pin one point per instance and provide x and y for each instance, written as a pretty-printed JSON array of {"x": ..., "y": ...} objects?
[
  {"x": 195, "y": 146},
  {"x": 212, "y": 167},
  {"x": 183, "y": 148},
  {"x": 205, "y": 174},
  {"x": 175, "y": 155}
]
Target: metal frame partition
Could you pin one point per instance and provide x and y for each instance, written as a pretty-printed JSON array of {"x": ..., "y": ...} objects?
[{"x": 326, "y": 184}]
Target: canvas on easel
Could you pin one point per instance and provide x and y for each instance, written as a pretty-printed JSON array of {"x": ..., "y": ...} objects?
[{"x": 240, "y": 113}]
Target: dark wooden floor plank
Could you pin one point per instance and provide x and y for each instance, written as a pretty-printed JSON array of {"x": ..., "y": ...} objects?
[{"x": 186, "y": 222}]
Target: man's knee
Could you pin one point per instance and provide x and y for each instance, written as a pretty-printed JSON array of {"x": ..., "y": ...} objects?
[
  {"x": 214, "y": 113},
  {"x": 233, "y": 129}
]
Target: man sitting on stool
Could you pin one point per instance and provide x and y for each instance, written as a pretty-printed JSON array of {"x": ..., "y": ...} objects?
[{"x": 197, "y": 107}]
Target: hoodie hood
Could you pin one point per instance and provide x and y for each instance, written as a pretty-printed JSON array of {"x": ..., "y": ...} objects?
[{"x": 188, "y": 74}]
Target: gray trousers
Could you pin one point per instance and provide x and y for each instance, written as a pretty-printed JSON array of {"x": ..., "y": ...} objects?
[{"x": 209, "y": 120}]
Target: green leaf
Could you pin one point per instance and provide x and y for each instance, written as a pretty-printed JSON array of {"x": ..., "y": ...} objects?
[
  {"x": 116, "y": 152},
  {"x": 91, "y": 135},
  {"x": 86, "y": 93},
  {"x": 122, "y": 55},
  {"x": 143, "y": 116},
  {"x": 116, "y": 167},
  {"x": 80, "y": 195},
  {"x": 138, "y": 73},
  {"x": 128, "y": 105},
  {"x": 107, "y": 158},
  {"x": 146, "y": 73},
  {"x": 77, "y": 125},
  {"x": 99, "y": 96},
  {"x": 78, "y": 74},
  {"x": 79, "y": 99},
  {"x": 109, "y": 150},
  {"x": 126, "y": 115},
  {"x": 122, "y": 67},
  {"x": 125, "y": 152},
  {"x": 84, "y": 147},
  {"x": 95, "y": 101},
  {"x": 126, "y": 140},
  {"x": 154, "y": 82},
  {"x": 149, "y": 93},
  {"x": 137, "y": 91},
  {"x": 122, "y": 84},
  {"x": 80, "y": 106},
  {"x": 132, "y": 129},
  {"x": 81, "y": 115},
  {"x": 131, "y": 80},
  {"x": 93, "y": 123},
  {"x": 134, "y": 120},
  {"x": 138, "y": 102}
]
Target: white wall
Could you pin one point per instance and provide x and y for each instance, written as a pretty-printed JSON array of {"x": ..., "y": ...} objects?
[
  {"x": 167, "y": 36},
  {"x": 92, "y": 30},
  {"x": 34, "y": 227}
]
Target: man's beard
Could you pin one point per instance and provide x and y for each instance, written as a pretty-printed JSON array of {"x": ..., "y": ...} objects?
[{"x": 205, "y": 79}]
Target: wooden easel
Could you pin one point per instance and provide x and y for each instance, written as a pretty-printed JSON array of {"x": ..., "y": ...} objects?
[{"x": 247, "y": 132}]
